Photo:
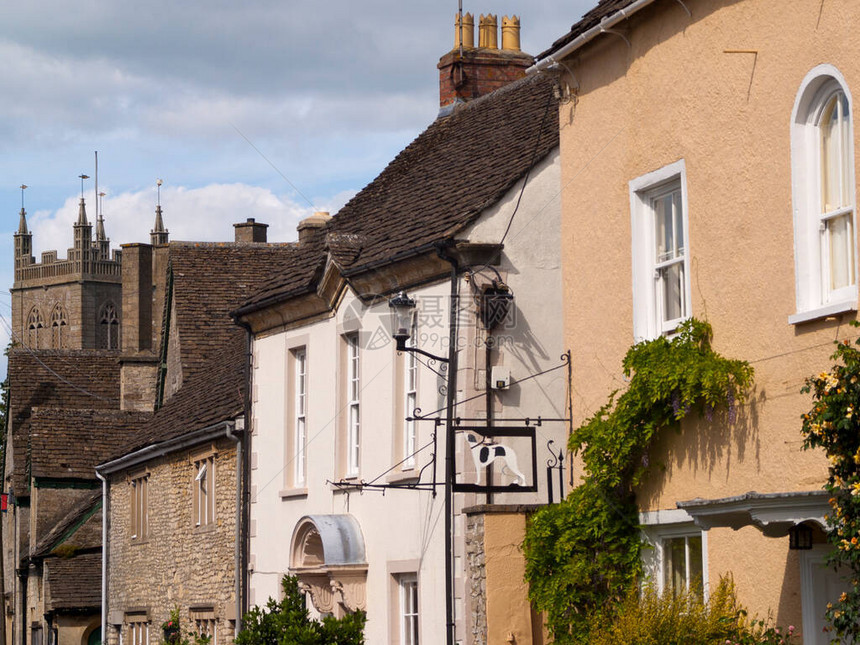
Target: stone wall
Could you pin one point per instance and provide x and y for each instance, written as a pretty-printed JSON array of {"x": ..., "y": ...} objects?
[
  {"x": 81, "y": 302},
  {"x": 177, "y": 564},
  {"x": 476, "y": 576}
]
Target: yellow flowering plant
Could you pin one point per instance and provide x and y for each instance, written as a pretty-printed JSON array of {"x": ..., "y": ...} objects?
[{"x": 833, "y": 425}]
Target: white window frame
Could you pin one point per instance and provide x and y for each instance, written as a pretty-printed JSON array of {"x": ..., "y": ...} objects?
[
  {"x": 815, "y": 299},
  {"x": 408, "y": 610},
  {"x": 138, "y": 629},
  {"x": 658, "y": 528},
  {"x": 647, "y": 290},
  {"x": 353, "y": 405},
  {"x": 204, "y": 490},
  {"x": 300, "y": 415},
  {"x": 205, "y": 623},
  {"x": 139, "y": 506}
]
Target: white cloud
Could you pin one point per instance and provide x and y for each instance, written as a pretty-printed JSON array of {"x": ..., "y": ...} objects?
[{"x": 199, "y": 214}]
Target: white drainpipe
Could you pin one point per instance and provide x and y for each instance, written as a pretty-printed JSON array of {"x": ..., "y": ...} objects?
[{"x": 104, "y": 554}]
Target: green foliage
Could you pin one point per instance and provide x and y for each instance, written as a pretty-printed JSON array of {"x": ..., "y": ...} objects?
[
  {"x": 4, "y": 406},
  {"x": 833, "y": 424},
  {"x": 287, "y": 623},
  {"x": 583, "y": 554},
  {"x": 66, "y": 551},
  {"x": 648, "y": 618}
]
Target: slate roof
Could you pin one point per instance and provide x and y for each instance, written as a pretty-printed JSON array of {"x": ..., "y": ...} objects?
[
  {"x": 209, "y": 281},
  {"x": 441, "y": 182},
  {"x": 74, "y": 583},
  {"x": 213, "y": 394},
  {"x": 307, "y": 264},
  {"x": 590, "y": 19},
  {"x": 70, "y": 379},
  {"x": 68, "y": 444},
  {"x": 88, "y": 520}
]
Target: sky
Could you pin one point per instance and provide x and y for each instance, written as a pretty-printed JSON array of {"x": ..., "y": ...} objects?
[{"x": 269, "y": 109}]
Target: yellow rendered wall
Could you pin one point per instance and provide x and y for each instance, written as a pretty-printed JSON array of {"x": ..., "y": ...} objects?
[
  {"x": 682, "y": 90},
  {"x": 509, "y": 615}
]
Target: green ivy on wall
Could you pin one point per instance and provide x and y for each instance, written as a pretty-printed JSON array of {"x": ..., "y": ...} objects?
[
  {"x": 583, "y": 554},
  {"x": 833, "y": 424}
]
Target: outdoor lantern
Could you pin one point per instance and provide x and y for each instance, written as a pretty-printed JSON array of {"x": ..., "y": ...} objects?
[
  {"x": 800, "y": 537},
  {"x": 496, "y": 302},
  {"x": 402, "y": 315}
]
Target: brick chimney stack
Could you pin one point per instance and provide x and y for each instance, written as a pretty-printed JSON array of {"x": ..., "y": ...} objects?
[{"x": 469, "y": 72}]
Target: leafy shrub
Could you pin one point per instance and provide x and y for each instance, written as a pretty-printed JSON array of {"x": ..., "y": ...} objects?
[
  {"x": 583, "y": 554},
  {"x": 287, "y": 622},
  {"x": 685, "y": 619},
  {"x": 833, "y": 424}
]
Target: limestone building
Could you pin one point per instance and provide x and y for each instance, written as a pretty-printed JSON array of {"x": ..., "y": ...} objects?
[
  {"x": 64, "y": 418},
  {"x": 176, "y": 536}
]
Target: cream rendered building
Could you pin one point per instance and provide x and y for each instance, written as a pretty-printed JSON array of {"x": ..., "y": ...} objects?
[
  {"x": 708, "y": 169},
  {"x": 332, "y": 396}
]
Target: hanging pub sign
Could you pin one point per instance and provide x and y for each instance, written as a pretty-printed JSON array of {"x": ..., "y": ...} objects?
[{"x": 496, "y": 460}]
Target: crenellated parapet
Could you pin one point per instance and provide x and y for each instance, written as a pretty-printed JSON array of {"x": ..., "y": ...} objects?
[{"x": 88, "y": 259}]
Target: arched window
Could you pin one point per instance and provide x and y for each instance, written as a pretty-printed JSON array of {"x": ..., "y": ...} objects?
[
  {"x": 822, "y": 164},
  {"x": 35, "y": 323},
  {"x": 59, "y": 322},
  {"x": 108, "y": 327}
]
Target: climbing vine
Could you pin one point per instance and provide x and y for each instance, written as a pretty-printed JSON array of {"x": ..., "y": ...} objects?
[
  {"x": 583, "y": 554},
  {"x": 833, "y": 424}
]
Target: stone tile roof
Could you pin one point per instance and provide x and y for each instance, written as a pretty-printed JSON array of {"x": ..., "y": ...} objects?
[
  {"x": 70, "y": 379},
  {"x": 68, "y": 444},
  {"x": 455, "y": 169},
  {"x": 84, "y": 522},
  {"x": 73, "y": 584},
  {"x": 590, "y": 19},
  {"x": 308, "y": 264},
  {"x": 460, "y": 165},
  {"x": 213, "y": 394},
  {"x": 209, "y": 281}
]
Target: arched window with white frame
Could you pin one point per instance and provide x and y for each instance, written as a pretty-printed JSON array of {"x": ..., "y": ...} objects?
[{"x": 823, "y": 196}]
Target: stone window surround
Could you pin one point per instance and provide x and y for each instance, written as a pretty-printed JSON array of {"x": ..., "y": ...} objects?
[
  {"x": 208, "y": 455},
  {"x": 139, "y": 505},
  {"x": 399, "y": 570},
  {"x": 294, "y": 344}
]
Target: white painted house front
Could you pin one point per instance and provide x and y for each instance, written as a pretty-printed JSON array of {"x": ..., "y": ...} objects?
[{"x": 333, "y": 401}]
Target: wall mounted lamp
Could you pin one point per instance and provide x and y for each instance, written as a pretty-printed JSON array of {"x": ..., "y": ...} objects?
[{"x": 402, "y": 319}]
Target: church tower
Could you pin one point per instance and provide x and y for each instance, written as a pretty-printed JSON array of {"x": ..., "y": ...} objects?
[
  {"x": 23, "y": 245},
  {"x": 72, "y": 303}
]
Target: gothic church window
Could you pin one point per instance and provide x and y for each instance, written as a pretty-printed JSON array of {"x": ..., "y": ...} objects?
[
  {"x": 59, "y": 322},
  {"x": 35, "y": 323},
  {"x": 108, "y": 327}
]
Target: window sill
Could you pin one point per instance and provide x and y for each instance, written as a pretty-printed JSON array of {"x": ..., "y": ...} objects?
[
  {"x": 822, "y": 312},
  {"x": 204, "y": 528},
  {"x": 290, "y": 493},
  {"x": 402, "y": 476}
]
